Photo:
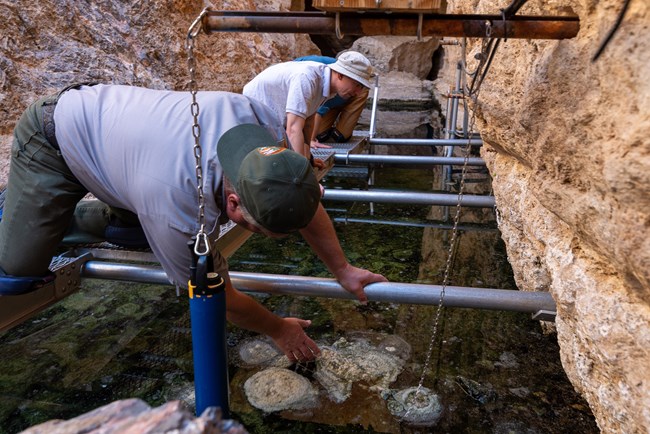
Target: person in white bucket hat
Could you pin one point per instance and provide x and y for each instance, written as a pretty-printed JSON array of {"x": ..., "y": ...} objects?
[
  {"x": 295, "y": 90},
  {"x": 336, "y": 119},
  {"x": 356, "y": 66}
]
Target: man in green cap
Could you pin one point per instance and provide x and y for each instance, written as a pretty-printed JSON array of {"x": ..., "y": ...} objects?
[{"x": 132, "y": 149}]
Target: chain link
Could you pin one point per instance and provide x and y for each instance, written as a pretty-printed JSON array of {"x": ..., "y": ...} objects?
[{"x": 201, "y": 245}]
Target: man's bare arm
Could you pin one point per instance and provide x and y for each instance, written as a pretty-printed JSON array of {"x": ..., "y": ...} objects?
[
  {"x": 322, "y": 238},
  {"x": 287, "y": 333},
  {"x": 295, "y": 125}
]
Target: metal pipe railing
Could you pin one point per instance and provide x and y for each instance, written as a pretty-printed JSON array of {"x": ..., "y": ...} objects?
[
  {"x": 454, "y": 103},
  {"x": 406, "y": 159},
  {"x": 373, "y": 115},
  {"x": 416, "y": 198},
  {"x": 391, "y": 292},
  {"x": 425, "y": 142},
  {"x": 468, "y": 227}
]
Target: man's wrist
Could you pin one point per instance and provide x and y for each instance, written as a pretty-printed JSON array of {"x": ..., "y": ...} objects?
[{"x": 340, "y": 269}]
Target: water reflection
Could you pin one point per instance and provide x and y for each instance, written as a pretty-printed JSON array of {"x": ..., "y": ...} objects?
[{"x": 493, "y": 371}]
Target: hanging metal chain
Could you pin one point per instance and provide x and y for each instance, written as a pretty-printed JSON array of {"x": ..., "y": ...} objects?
[
  {"x": 453, "y": 242},
  {"x": 201, "y": 245},
  {"x": 451, "y": 253}
]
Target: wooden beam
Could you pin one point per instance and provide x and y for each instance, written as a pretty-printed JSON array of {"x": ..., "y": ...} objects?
[{"x": 427, "y": 6}]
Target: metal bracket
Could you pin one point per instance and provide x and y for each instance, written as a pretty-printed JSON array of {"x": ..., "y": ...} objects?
[
  {"x": 544, "y": 315},
  {"x": 67, "y": 268},
  {"x": 16, "y": 309}
]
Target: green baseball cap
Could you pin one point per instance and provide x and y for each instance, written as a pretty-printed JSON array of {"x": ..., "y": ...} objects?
[{"x": 276, "y": 185}]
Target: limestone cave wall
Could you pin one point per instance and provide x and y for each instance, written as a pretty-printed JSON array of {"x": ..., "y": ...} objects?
[{"x": 566, "y": 141}]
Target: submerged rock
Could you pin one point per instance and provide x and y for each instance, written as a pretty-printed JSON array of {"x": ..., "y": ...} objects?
[
  {"x": 482, "y": 393},
  {"x": 356, "y": 359},
  {"x": 375, "y": 359},
  {"x": 276, "y": 389},
  {"x": 258, "y": 353},
  {"x": 417, "y": 407},
  {"x": 396, "y": 346}
]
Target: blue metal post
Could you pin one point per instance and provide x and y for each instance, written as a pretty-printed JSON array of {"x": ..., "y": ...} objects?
[{"x": 208, "y": 320}]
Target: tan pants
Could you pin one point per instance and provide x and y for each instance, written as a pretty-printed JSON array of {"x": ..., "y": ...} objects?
[{"x": 343, "y": 118}]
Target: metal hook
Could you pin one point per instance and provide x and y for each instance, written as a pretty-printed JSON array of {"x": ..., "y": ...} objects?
[
  {"x": 196, "y": 26},
  {"x": 337, "y": 25},
  {"x": 201, "y": 238}
]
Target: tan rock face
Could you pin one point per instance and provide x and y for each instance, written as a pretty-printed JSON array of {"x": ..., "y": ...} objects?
[
  {"x": 569, "y": 152},
  {"x": 135, "y": 416},
  {"x": 398, "y": 53}
]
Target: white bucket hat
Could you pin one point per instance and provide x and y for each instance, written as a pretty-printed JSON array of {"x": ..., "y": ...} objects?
[{"x": 354, "y": 65}]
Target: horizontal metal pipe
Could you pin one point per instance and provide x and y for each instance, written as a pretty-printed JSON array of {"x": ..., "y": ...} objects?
[
  {"x": 461, "y": 227},
  {"x": 421, "y": 160},
  {"x": 391, "y": 292},
  {"x": 425, "y": 142},
  {"x": 396, "y": 24},
  {"x": 387, "y": 196},
  {"x": 125, "y": 272},
  {"x": 269, "y": 22}
]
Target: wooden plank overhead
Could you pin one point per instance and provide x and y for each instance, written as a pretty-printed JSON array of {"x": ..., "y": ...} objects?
[{"x": 416, "y": 6}]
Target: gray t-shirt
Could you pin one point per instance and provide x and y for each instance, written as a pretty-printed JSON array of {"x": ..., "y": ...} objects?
[
  {"x": 133, "y": 148},
  {"x": 291, "y": 87}
]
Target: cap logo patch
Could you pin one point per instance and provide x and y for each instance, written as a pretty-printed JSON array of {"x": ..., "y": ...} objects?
[{"x": 270, "y": 150}]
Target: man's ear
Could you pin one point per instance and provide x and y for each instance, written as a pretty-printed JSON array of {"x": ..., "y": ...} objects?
[
  {"x": 233, "y": 210},
  {"x": 235, "y": 213},
  {"x": 232, "y": 202}
]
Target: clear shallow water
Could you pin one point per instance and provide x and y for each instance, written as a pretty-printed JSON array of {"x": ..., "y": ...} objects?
[{"x": 494, "y": 371}]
